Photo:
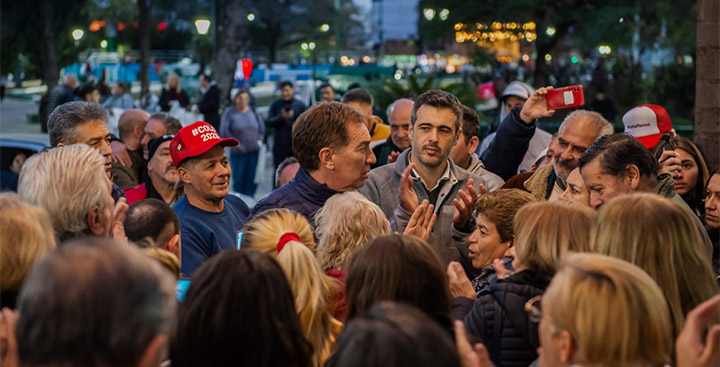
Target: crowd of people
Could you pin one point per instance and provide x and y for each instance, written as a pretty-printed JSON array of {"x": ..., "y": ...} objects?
[{"x": 406, "y": 243}]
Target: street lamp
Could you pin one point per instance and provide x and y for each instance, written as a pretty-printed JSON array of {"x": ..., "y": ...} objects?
[
  {"x": 429, "y": 13},
  {"x": 203, "y": 26},
  {"x": 103, "y": 44},
  {"x": 304, "y": 46},
  {"x": 311, "y": 45},
  {"x": 77, "y": 34},
  {"x": 444, "y": 14},
  {"x": 550, "y": 31},
  {"x": 251, "y": 17},
  {"x": 604, "y": 50},
  {"x": 325, "y": 27}
]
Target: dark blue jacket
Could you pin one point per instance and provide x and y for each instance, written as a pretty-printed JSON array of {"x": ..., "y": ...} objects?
[
  {"x": 204, "y": 233},
  {"x": 498, "y": 318},
  {"x": 302, "y": 194},
  {"x": 504, "y": 155}
]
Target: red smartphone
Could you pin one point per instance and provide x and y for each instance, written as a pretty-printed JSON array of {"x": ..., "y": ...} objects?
[{"x": 565, "y": 97}]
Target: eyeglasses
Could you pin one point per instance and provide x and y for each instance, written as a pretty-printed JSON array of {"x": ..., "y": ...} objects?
[{"x": 534, "y": 309}]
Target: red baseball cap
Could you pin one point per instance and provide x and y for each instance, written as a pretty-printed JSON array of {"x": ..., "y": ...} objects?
[
  {"x": 647, "y": 123},
  {"x": 196, "y": 139}
]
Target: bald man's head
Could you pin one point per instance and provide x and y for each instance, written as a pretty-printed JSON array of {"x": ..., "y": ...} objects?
[{"x": 131, "y": 127}]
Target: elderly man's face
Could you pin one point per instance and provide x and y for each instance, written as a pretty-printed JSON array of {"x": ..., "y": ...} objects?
[
  {"x": 601, "y": 185},
  {"x": 161, "y": 165},
  {"x": 352, "y": 162},
  {"x": 95, "y": 134},
  {"x": 208, "y": 176},
  {"x": 572, "y": 143},
  {"x": 400, "y": 125},
  {"x": 153, "y": 129}
]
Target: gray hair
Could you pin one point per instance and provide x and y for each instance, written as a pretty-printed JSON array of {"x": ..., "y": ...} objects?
[
  {"x": 288, "y": 161},
  {"x": 68, "y": 77},
  {"x": 93, "y": 302},
  {"x": 65, "y": 119},
  {"x": 66, "y": 181},
  {"x": 172, "y": 125},
  {"x": 596, "y": 121}
]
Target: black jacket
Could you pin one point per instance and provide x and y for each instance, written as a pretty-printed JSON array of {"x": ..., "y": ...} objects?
[
  {"x": 283, "y": 128},
  {"x": 499, "y": 320},
  {"x": 209, "y": 106}
]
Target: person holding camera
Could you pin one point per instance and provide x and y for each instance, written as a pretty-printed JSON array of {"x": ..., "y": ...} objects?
[{"x": 283, "y": 113}]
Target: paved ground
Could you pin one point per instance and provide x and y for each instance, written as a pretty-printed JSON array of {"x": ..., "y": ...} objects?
[{"x": 14, "y": 121}]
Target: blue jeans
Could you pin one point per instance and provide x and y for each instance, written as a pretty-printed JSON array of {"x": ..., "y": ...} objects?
[{"x": 243, "y": 172}]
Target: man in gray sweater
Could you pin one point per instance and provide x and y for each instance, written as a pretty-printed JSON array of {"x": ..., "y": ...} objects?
[{"x": 425, "y": 172}]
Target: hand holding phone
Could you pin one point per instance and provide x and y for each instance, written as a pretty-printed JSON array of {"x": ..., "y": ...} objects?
[{"x": 566, "y": 97}]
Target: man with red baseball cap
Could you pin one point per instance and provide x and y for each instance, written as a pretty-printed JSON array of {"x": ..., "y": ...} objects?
[{"x": 210, "y": 219}]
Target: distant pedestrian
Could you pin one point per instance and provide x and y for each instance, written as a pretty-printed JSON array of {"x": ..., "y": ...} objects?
[{"x": 283, "y": 113}]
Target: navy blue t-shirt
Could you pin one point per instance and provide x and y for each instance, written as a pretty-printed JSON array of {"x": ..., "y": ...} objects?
[{"x": 204, "y": 233}]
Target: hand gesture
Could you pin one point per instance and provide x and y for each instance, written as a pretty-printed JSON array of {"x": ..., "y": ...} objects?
[
  {"x": 118, "y": 228},
  {"x": 460, "y": 285},
  {"x": 120, "y": 153},
  {"x": 287, "y": 114},
  {"x": 689, "y": 348},
  {"x": 501, "y": 269},
  {"x": 8, "y": 340},
  {"x": 465, "y": 206},
  {"x": 470, "y": 356},
  {"x": 408, "y": 197},
  {"x": 393, "y": 157},
  {"x": 422, "y": 221},
  {"x": 670, "y": 163},
  {"x": 536, "y": 107}
]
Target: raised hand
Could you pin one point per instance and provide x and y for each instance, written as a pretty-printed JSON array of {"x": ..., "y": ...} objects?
[
  {"x": 536, "y": 107},
  {"x": 408, "y": 198},
  {"x": 689, "y": 348},
  {"x": 422, "y": 221},
  {"x": 465, "y": 206},
  {"x": 460, "y": 285}
]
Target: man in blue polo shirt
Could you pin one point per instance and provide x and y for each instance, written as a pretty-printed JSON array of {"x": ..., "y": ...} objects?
[{"x": 209, "y": 218}]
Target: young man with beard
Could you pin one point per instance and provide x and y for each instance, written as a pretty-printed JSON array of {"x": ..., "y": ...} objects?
[
  {"x": 209, "y": 218},
  {"x": 163, "y": 177}
]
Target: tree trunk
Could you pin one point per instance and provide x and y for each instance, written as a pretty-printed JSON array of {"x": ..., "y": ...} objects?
[
  {"x": 707, "y": 90},
  {"x": 143, "y": 12},
  {"x": 229, "y": 46},
  {"x": 49, "y": 59}
]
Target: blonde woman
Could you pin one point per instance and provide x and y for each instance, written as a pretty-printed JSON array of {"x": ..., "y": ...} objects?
[
  {"x": 289, "y": 237},
  {"x": 544, "y": 233},
  {"x": 658, "y": 236},
  {"x": 344, "y": 224},
  {"x": 173, "y": 92},
  {"x": 26, "y": 237},
  {"x": 601, "y": 311}
]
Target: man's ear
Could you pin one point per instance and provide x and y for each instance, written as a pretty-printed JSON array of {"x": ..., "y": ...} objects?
[
  {"x": 95, "y": 221},
  {"x": 184, "y": 174},
  {"x": 326, "y": 158},
  {"x": 632, "y": 175},
  {"x": 173, "y": 244},
  {"x": 138, "y": 131},
  {"x": 155, "y": 353},
  {"x": 473, "y": 144},
  {"x": 61, "y": 144}
]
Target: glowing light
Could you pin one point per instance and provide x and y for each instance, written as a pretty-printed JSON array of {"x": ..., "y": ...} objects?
[
  {"x": 444, "y": 14},
  {"x": 574, "y": 60},
  {"x": 526, "y": 58},
  {"x": 366, "y": 59},
  {"x": 202, "y": 25},
  {"x": 604, "y": 50},
  {"x": 548, "y": 57},
  {"x": 121, "y": 26},
  {"x": 77, "y": 34},
  {"x": 325, "y": 27},
  {"x": 429, "y": 13},
  {"x": 103, "y": 44},
  {"x": 162, "y": 26},
  {"x": 398, "y": 75},
  {"x": 95, "y": 25},
  {"x": 550, "y": 31},
  {"x": 251, "y": 17},
  {"x": 304, "y": 46},
  {"x": 311, "y": 45},
  {"x": 621, "y": 20}
]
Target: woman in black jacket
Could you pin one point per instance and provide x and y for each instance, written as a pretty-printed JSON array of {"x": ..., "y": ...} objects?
[{"x": 544, "y": 232}]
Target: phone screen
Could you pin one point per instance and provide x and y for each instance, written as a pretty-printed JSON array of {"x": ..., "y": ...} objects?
[
  {"x": 239, "y": 239},
  {"x": 181, "y": 288}
]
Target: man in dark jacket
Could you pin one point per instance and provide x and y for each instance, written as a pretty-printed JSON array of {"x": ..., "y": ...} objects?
[
  {"x": 63, "y": 93},
  {"x": 209, "y": 103},
  {"x": 283, "y": 113},
  {"x": 332, "y": 144}
]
